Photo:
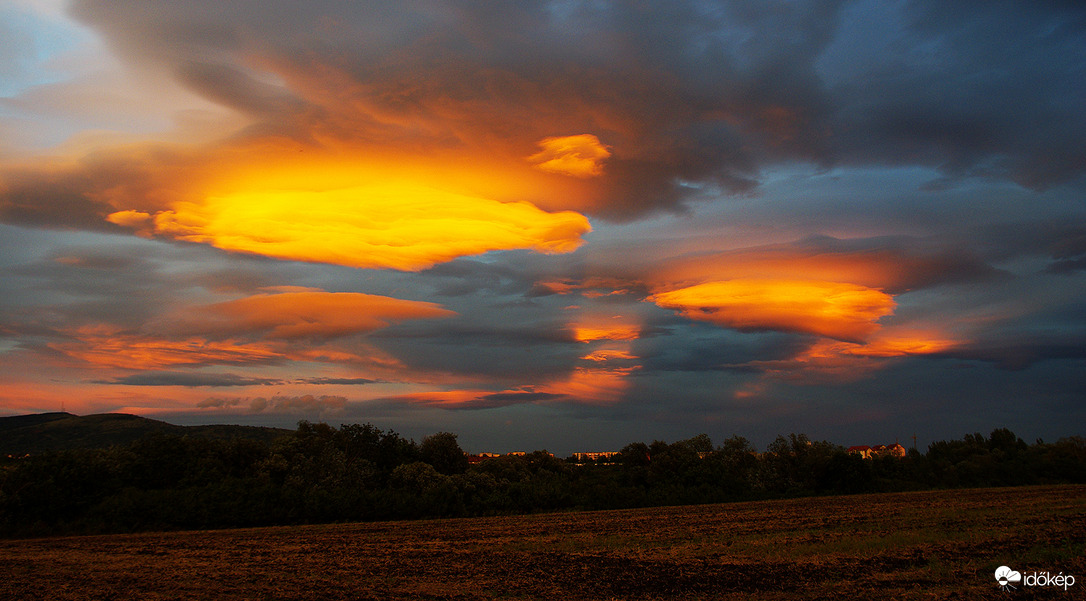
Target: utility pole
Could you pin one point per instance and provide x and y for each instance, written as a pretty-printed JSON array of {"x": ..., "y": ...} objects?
[{"x": 914, "y": 441}]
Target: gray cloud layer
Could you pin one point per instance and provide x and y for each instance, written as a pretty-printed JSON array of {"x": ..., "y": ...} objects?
[{"x": 682, "y": 91}]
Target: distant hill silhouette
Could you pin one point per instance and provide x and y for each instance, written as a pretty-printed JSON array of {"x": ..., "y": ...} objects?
[{"x": 41, "y": 432}]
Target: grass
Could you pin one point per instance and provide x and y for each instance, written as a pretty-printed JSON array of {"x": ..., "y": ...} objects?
[{"x": 924, "y": 545}]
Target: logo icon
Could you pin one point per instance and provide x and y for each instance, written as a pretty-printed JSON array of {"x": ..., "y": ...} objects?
[{"x": 1006, "y": 576}]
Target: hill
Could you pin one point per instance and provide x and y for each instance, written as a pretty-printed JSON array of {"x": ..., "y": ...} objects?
[{"x": 42, "y": 432}]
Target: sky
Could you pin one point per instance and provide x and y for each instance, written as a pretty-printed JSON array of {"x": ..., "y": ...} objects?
[{"x": 565, "y": 225}]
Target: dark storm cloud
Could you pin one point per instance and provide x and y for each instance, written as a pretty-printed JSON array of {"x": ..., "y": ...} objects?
[
  {"x": 463, "y": 277},
  {"x": 914, "y": 263},
  {"x": 58, "y": 200},
  {"x": 518, "y": 352},
  {"x": 232, "y": 87},
  {"x": 991, "y": 89},
  {"x": 80, "y": 195},
  {"x": 79, "y": 277},
  {"x": 1063, "y": 242},
  {"x": 680, "y": 90},
  {"x": 501, "y": 399},
  {"x": 1021, "y": 353},
  {"x": 704, "y": 348}
]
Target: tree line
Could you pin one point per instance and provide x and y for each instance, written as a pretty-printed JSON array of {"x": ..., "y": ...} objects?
[{"x": 319, "y": 473}]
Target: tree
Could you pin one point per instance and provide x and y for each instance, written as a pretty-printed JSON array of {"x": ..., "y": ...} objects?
[
  {"x": 699, "y": 444},
  {"x": 443, "y": 452}
]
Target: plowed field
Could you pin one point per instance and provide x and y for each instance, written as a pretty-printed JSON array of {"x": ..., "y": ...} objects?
[{"x": 927, "y": 545}]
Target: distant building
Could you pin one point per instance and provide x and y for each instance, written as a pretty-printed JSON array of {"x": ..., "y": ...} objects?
[
  {"x": 861, "y": 450},
  {"x": 896, "y": 450},
  {"x": 595, "y": 456},
  {"x": 480, "y": 457},
  {"x": 881, "y": 450}
]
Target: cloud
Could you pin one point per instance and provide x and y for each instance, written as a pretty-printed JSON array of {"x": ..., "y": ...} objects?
[
  {"x": 306, "y": 403},
  {"x": 683, "y": 94},
  {"x": 591, "y": 326},
  {"x": 191, "y": 379},
  {"x": 254, "y": 330},
  {"x": 338, "y": 381},
  {"x": 397, "y": 225},
  {"x": 475, "y": 399},
  {"x": 833, "y": 309},
  {"x": 892, "y": 264},
  {"x": 1022, "y": 352},
  {"x": 105, "y": 347},
  {"x": 843, "y": 289},
  {"x": 299, "y": 315},
  {"x": 976, "y": 89},
  {"x": 218, "y": 403},
  {"x": 579, "y": 156}
]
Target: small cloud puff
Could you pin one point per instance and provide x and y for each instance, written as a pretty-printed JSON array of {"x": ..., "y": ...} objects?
[{"x": 578, "y": 156}]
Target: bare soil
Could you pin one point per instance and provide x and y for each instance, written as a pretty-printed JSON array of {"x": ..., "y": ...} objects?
[{"x": 923, "y": 545}]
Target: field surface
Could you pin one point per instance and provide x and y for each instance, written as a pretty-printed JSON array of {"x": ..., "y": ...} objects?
[{"x": 925, "y": 545}]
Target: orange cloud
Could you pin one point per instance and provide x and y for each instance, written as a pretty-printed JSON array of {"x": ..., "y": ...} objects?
[
  {"x": 578, "y": 156},
  {"x": 103, "y": 348},
  {"x": 137, "y": 220},
  {"x": 883, "y": 264},
  {"x": 594, "y": 385},
  {"x": 603, "y": 355},
  {"x": 605, "y": 331},
  {"x": 836, "y": 362},
  {"x": 391, "y": 224},
  {"x": 904, "y": 345},
  {"x": 589, "y": 384},
  {"x": 302, "y": 314},
  {"x": 825, "y": 308},
  {"x": 251, "y": 330}
]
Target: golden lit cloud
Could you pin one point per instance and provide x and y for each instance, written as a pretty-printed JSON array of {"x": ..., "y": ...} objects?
[
  {"x": 578, "y": 156},
  {"x": 392, "y": 224},
  {"x": 833, "y": 309},
  {"x": 605, "y": 331},
  {"x": 137, "y": 220}
]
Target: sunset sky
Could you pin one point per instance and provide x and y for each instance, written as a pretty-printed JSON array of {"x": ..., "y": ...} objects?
[{"x": 565, "y": 225}]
